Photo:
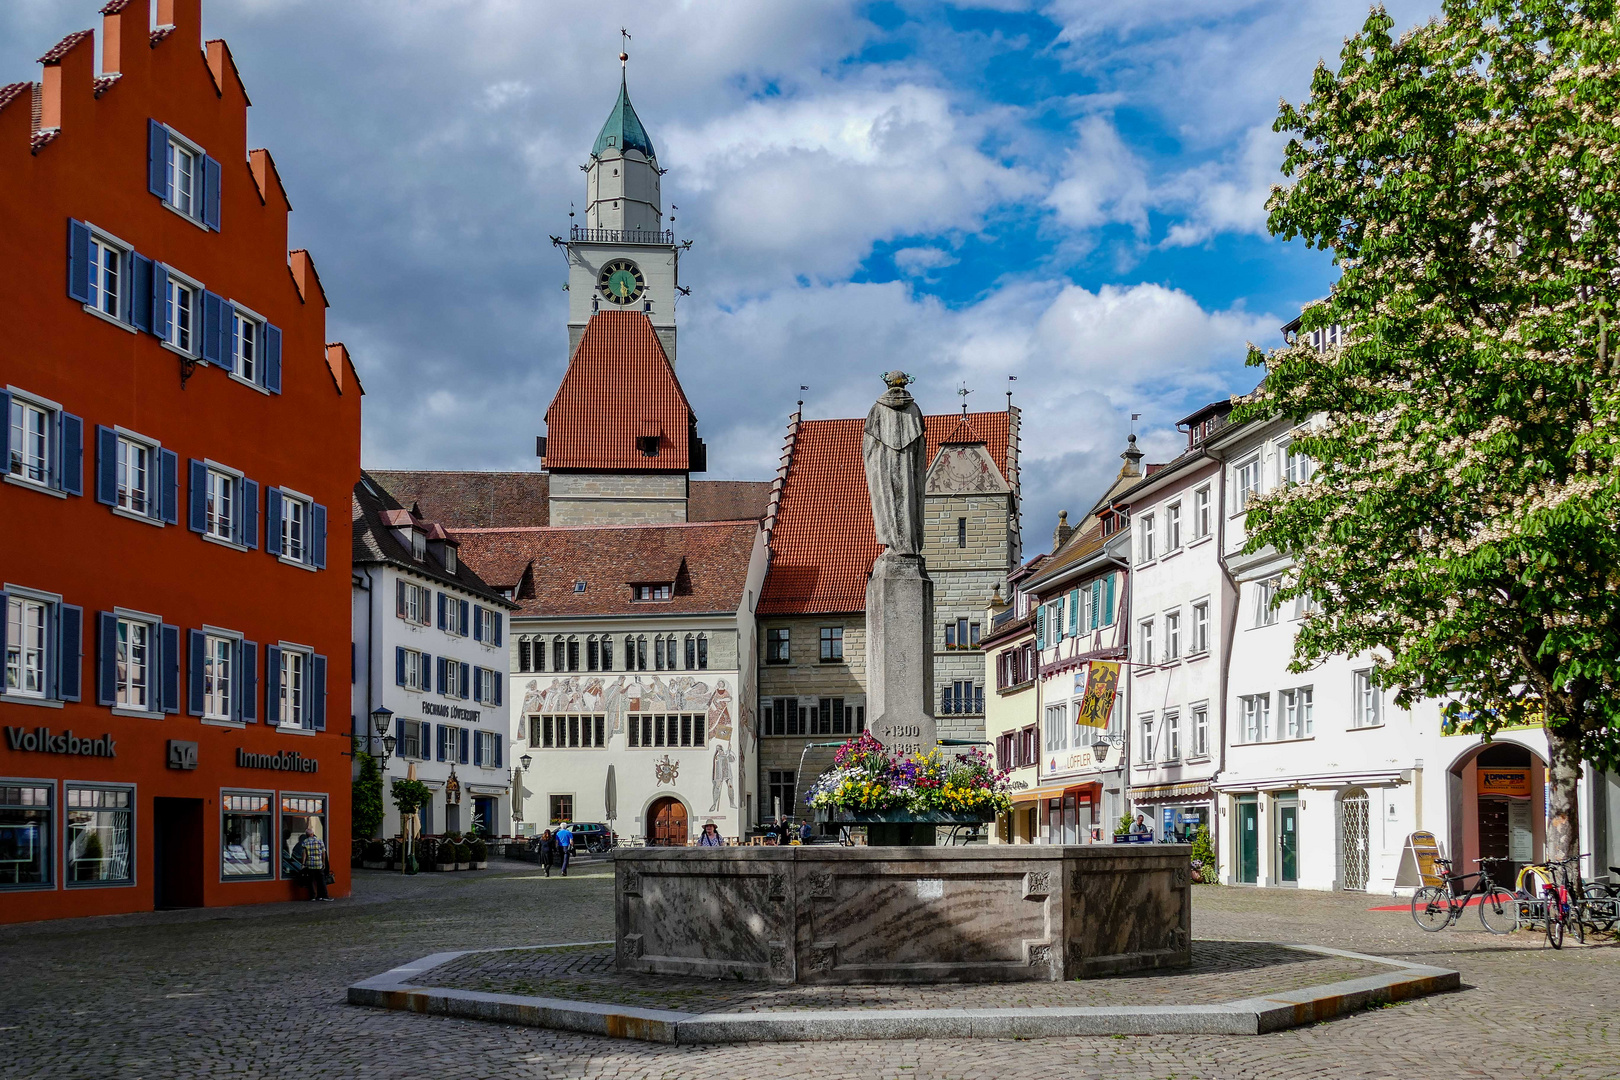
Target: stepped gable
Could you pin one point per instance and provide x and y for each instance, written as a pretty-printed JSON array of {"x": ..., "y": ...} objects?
[
  {"x": 620, "y": 389},
  {"x": 706, "y": 561},
  {"x": 823, "y": 542}
]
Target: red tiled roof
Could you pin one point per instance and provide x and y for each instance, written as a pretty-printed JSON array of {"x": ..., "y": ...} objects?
[
  {"x": 824, "y": 543},
  {"x": 498, "y": 500},
  {"x": 12, "y": 91},
  {"x": 62, "y": 47},
  {"x": 963, "y": 433},
  {"x": 608, "y": 558},
  {"x": 619, "y": 386}
]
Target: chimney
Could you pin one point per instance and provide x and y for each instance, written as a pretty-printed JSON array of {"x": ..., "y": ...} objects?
[
  {"x": 1133, "y": 459},
  {"x": 1064, "y": 530}
]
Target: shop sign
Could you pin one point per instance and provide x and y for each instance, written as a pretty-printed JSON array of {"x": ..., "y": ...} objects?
[
  {"x": 285, "y": 761},
  {"x": 182, "y": 754},
  {"x": 1418, "y": 862},
  {"x": 1512, "y": 782},
  {"x": 450, "y": 712},
  {"x": 1098, "y": 704},
  {"x": 42, "y": 740}
]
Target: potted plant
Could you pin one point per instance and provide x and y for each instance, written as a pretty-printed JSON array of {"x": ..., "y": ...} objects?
[
  {"x": 1122, "y": 829},
  {"x": 479, "y": 854},
  {"x": 1206, "y": 869},
  {"x": 374, "y": 856},
  {"x": 904, "y": 799},
  {"x": 409, "y": 796}
]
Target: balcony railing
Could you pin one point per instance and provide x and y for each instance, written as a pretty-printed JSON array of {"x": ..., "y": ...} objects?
[{"x": 622, "y": 236}]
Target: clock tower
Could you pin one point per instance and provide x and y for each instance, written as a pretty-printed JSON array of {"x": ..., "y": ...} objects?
[{"x": 623, "y": 258}]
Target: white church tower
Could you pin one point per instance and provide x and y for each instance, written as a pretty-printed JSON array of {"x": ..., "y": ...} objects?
[{"x": 623, "y": 258}]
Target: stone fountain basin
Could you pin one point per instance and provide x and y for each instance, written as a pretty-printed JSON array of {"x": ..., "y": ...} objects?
[{"x": 825, "y": 914}]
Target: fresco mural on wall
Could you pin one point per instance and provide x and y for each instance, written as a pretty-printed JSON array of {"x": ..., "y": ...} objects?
[{"x": 618, "y": 696}]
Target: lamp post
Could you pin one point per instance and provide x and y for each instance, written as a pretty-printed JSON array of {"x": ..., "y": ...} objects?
[
  {"x": 380, "y": 723},
  {"x": 515, "y": 782}
]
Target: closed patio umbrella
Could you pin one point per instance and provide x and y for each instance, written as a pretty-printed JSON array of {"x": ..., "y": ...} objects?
[{"x": 610, "y": 795}]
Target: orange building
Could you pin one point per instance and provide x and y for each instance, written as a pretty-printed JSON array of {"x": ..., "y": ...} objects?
[{"x": 179, "y": 447}]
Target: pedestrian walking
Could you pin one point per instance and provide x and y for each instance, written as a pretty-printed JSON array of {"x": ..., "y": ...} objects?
[
  {"x": 805, "y": 832},
  {"x": 565, "y": 846},
  {"x": 710, "y": 836},
  {"x": 548, "y": 851},
  {"x": 310, "y": 852}
]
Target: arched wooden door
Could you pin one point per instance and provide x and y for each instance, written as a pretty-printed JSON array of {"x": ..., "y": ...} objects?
[{"x": 666, "y": 823}]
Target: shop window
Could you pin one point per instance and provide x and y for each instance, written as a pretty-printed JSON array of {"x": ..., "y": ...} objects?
[
  {"x": 26, "y": 828},
  {"x": 247, "y": 835},
  {"x": 100, "y": 835},
  {"x": 301, "y": 815}
]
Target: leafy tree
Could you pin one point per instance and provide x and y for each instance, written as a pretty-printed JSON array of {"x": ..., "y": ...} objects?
[
  {"x": 1462, "y": 524},
  {"x": 367, "y": 814}
]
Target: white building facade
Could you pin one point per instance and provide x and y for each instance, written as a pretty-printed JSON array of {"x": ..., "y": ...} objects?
[{"x": 430, "y": 647}]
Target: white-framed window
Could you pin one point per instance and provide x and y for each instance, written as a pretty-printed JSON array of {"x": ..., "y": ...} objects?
[
  {"x": 1200, "y": 628},
  {"x": 134, "y": 669},
  {"x": 1146, "y": 639},
  {"x": 182, "y": 300},
  {"x": 653, "y": 592},
  {"x": 183, "y": 188},
  {"x": 295, "y": 688},
  {"x": 1296, "y": 713},
  {"x": 1147, "y": 545},
  {"x": 451, "y": 686},
  {"x": 1366, "y": 702},
  {"x": 1145, "y": 726},
  {"x": 247, "y": 345},
  {"x": 452, "y": 619},
  {"x": 1200, "y": 732},
  {"x": 1305, "y": 604},
  {"x": 218, "y": 675},
  {"x": 136, "y": 476},
  {"x": 28, "y": 623},
  {"x": 1057, "y": 726},
  {"x": 1172, "y": 527},
  {"x": 1201, "y": 516},
  {"x": 1246, "y": 483},
  {"x": 487, "y": 749},
  {"x": 1172, "y": 736},
  {"x": 410, "y": 669},
  {"x": 1256, "y": 710},
  {"x": 220, "y": 505},
  {"x": 418, "y": 544},
  {"x": 486, "y": 686},
  {"x": 30, "y": 442},
  {"x": 295, "y": 515},
  {"x": 1265, "y": 602},
  {"x": 109, "y": 273},
  {"x": 412, "y": 602},
  {"x": 1172, "y": 636},
  {"x": 1297, "y": 467}
]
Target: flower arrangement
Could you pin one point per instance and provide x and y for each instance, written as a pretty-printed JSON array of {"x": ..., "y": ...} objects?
[{"x": 865, "y": 777}]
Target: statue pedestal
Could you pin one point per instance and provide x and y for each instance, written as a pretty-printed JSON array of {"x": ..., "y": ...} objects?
[{"x": 899, "y": 654}]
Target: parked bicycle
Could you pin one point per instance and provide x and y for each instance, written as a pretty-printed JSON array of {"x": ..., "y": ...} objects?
[{"x": 1435, "y": 907}]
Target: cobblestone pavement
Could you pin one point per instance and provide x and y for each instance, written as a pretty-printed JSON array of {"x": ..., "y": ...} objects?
[
  {"x": 1221, "y": 971},
  {"x": 259, "y": 993}
]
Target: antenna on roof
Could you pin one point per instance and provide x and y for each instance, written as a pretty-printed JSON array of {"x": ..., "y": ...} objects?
[
  {"x": 962, "y": 391},
  {"x": 802, "y": 389},
  {"x": 1135, "y": 416},
  {"x": 1010, "y": 380}
]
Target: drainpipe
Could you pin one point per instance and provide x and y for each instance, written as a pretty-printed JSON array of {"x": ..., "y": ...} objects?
[{"x": 1229, "y": 619}]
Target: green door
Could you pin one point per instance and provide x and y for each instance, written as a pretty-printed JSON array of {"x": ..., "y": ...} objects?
[
  {"x": 1288, "y": 843},
  {"x": 1248, "y": 841}
]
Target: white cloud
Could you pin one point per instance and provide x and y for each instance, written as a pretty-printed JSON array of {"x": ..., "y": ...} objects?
[
  {"x": 1228, "y": 195},
  {"x": 1102, "y": 180},
  {"x": 917, "y": 261}
]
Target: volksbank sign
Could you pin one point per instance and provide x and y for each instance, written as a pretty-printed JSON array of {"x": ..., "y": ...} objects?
[
  {"x": 44, "y": 741},
  {"x": 285, "y": 761}
]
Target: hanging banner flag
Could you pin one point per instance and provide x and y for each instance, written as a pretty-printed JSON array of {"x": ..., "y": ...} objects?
[{"x": 1098, "y": 705}]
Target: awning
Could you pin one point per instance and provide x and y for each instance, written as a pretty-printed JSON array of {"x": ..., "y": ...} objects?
[
  {"x": 1380, "y": 778},
  {"x": 1051, "y": 791},
  {"x": 1196, "y": 789}
]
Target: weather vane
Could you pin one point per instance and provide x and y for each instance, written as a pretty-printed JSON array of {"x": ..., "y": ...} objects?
[
  {"x": 624, "y": 49},
  {"x": 962, "y": 391}
]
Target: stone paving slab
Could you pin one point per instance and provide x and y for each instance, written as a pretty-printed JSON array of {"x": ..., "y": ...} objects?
[{"x": 1233, "y": 987}]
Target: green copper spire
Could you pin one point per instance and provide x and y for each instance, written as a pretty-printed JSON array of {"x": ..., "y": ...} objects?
[{"x": 623, "y": 130}]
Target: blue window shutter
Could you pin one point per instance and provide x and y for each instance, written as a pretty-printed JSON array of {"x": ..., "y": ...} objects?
[
  {"x": 272, "y": 685},
  {"x": 427, "y": 673},
  {"x": 500, "y": 680},
  {"x": 319, "y": 529},
  {"x": 497, "y": 744},
  {"x": 213, "y": 327},
  {"x": 70, "y": 467},
  {"x": 196, "y": 642},
  {"x": 79, "y": 261},
  {"x": 69, "y": 650},
  {"x": 1040, "y": 626},
  {"x": 442, "y": 619},
  {"x": 477, "y": 680},
  {"x": 1074, "y": 611},
  {"x": 169, "y": 493},
  {"x": 211, "y": 178},
  {"x": 466, "y": 674},
  {"x": 466, "y": 615},
  {"x": 317, "y": 692},
  {"x": 169, "y": 656},
  {"x": 478, "y": 751},
  {"x": 1108, "y": 601},
  {"x": 272, "y": 358},
  {"x": 462, "y": 738},
  {"x": 247, "y": 521},
  {"x": 399, "y": 665},
  {"x": 250, "y": 681},
  {"x": 157, "y": 159},
  {"x": 272, "y": 521},
  {"x": 106, "y": 465},
  {"x": 444, "y": 735},
  {"x": 5, "y": 430},
  {"x": 197, "y": 518},
  {"x": 160, "y": 301},
  {"x": 439, "y": 666},
  {"x": 106, "y": 658},
  {"x": 499, "y": 619},
  {"x": 478, "y": 622},
  {"x": 140, "y": 293}
]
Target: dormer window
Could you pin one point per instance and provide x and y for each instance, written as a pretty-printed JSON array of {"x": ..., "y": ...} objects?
[
  {"x": 654, "y": 592},
  {"x": 648, "y": 445},
  {"x": 418, "y": 544},
  {"x": 449, "y": 559}
]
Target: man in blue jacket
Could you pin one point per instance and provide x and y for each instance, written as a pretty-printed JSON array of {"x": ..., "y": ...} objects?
[{"x": 565, "y": 846}]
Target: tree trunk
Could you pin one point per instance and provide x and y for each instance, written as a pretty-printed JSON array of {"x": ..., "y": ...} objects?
[{"x": 1563, "y": 778}]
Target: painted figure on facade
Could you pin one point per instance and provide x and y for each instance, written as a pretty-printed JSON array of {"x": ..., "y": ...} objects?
[
  {"x": 720, "y": 712},
  {"x": 895, "y": 452},
  {"x": 721, "y": 774}
]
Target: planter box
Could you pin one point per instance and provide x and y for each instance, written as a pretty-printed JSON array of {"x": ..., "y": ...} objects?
[
  {"x": 901, "y": 817},
  {"x": 480, "y": 864},
  {"x": 463, "y": 866},
  {"x": 444, "y": 867}
]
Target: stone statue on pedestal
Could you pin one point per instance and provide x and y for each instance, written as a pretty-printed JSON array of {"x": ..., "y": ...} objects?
[{"x": 899, "y": 593}]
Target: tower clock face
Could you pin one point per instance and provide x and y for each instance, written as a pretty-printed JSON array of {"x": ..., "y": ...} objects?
[{"x": 621, "y": 282}]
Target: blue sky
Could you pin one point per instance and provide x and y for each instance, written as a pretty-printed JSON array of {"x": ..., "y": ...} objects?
[{"x": 1067, "y": 191}]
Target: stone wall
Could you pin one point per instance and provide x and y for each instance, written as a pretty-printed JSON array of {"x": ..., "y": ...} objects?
[
  {"x": 826, "y": 914},
  {"x": 618, "y": 498}
]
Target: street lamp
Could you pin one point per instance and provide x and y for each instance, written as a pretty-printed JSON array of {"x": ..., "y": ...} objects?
[
  {"x": 1104, "y": 741},
  {"x": 525, "y": 761},
  {"x": 381, "y": 718}
]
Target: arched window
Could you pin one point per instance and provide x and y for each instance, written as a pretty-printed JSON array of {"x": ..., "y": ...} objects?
[
  {"x": 703, "y": 652},
  {"x": 593, "y": 654},
  {"x": 691, "y": 652},
  {"x": 559, "y": 654},
  {"x": 658, "y": 652},
  {"x": 573, "y": 652},
  {"x": 607, "y": 652},
  {"x": 641, "y": 652}
]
